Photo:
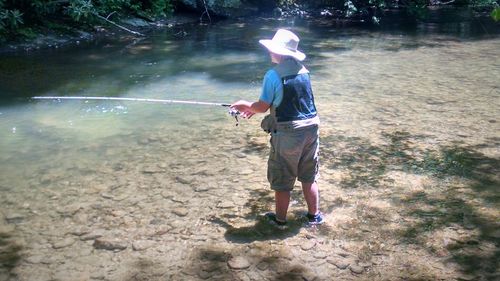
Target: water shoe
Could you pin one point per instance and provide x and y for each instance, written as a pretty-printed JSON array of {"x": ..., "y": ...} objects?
[
  {"x": 317, "y": 219},
  {"x": 271, "y": 217}
]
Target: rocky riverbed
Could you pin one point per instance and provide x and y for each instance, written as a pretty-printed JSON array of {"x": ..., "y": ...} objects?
[{"x": 193, "y": 219}]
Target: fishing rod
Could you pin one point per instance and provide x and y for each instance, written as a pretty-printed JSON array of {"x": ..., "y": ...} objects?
[{"x": 231, "y": 111}]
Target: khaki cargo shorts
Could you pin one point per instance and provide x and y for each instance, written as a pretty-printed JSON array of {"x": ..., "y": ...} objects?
[{"x": 294, "y": 155}]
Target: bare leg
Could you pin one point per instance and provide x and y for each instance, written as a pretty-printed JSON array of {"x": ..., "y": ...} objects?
[
  {"x": 311, "y": 195},
  {"x": 282, "y": 200}
]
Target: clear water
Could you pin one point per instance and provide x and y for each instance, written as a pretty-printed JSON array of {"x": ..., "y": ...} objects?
[{"x": 125, "y": 164}]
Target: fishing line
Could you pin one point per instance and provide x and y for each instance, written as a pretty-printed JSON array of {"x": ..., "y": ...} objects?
[{"x": 231, "y": 111}]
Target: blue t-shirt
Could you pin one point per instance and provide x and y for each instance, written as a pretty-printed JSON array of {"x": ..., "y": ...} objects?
[{"x": 272, "y": 89}]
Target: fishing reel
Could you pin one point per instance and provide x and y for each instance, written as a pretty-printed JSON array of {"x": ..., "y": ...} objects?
[{"x": 233, "y": 112}]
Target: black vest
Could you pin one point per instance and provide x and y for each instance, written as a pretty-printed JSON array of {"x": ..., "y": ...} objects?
[{"x": 298, "y": 99}]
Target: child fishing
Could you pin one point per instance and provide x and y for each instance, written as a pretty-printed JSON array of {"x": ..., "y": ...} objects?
[{"x": 293, "y": 124}]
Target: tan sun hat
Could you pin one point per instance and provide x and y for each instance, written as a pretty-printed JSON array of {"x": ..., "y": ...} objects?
[{"x": 284, "y": 43}]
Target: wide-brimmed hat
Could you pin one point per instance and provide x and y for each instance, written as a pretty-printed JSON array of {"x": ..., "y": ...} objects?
[{"x": 284, "y": 43}]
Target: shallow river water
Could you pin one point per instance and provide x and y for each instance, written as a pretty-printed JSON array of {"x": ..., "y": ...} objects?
[{"x": 101, "y": 190}]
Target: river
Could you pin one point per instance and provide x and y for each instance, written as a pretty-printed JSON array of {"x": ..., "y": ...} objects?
[{"x": 106, "y": 190}]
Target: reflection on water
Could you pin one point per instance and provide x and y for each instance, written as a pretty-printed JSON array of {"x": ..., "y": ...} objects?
[{"x": 163, "y": 179}]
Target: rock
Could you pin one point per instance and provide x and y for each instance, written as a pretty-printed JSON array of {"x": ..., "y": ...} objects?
[
  {"x": 142, "y": 245},
  {"x": 320, "y": 255},
  {"x": 309, "y": 276},
  {"x": 184, "y": 180},
  {"x": 308, "y": 245},
  {"x": 204, "y": 275},
  {"x": 152, "y": 170},
  {"x": 181, "y": 212},
  {"x": 92, "y": 235},
  {"x": 238, "y": 262},
  {"x": 356, "y": 269},
  {"x": 156, "y": 221},
  {"x": 240, "y": 155},
  {"x": 136, "y": 22},
  {"x": 179, "y": 200},
  {"x": 225, "y": 205},
  {"x": 14, "y": 217},
  {"x": 106, "y": 196},
  {"x": 339, "y": 263},
  {"x": 246, "y": 172},
  {"x": 110, "y": 244},
  {"x": 35, "y": 259},
  {"x": 66, "y": 242},
  {"x": 263, "y": 265},
  {"x": 69, "y": 210},
  {"x": 201, "y": 188}
]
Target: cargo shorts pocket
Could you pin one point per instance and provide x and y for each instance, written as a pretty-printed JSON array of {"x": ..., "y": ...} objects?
[{"x": 274, "y": 172}]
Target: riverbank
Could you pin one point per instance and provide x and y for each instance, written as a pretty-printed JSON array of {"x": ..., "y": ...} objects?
[{"x": 68, "y": 36}]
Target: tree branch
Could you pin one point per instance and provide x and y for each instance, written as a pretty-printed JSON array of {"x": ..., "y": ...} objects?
[
  {"x": 206, "y": 12},
  {"x": 115, "y": 24}
]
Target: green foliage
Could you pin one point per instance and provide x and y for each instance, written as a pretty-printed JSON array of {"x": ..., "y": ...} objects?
[
  {"x": 18, "y": 16},
  {"x": 350, "y": 8},
  {"x": 80, "y": 10},
  {"x": 417, "y": 8},
  {"x": 495, "y": 14}
]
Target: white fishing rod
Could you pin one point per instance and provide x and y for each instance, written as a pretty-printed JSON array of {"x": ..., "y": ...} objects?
[
  {"x": 232, "y": 112},
  {"x": 130, "y": 99}
]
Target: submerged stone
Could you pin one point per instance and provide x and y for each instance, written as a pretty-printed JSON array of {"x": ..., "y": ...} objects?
[
  {"x": 142, "y": 245},
  {"x": 339, "y": 263},
  {"x": 238, "y": 263},
  {"x": 308, "y": 245},
  {"x": 181, "y": 212},
  {"x": 63, "y": 243},
  {"x": 110, "y": 244},
  {"x": 356, "y": 269}
]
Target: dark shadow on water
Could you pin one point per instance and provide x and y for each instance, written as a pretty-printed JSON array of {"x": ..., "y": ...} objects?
[
  {"x": 266, "y": 263},
  {"x": 466, "y": 180},
  {"x": 262, "y": 230},
  {"x": 10, "y": 252}
]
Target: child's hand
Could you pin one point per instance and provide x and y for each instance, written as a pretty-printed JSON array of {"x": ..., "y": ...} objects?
[{"x": 244, "y": 107}]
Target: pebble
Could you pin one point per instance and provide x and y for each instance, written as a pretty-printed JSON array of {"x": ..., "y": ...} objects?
[
  {"x": 204, "y": 275},
  {"x": 320, "y": 255},
  {"x": 35, "y": 259},
  {"x": 356, "y": 269},
  {"x": 156, "y": 221},
  {"x": 70, "y": 210},
  {"x": 225, "y": 205},
  {"x": 106, "y": 196},
  {"x": 246, "y": 172},
  {"x": 92, "y": 235},
  {"x": 110, "y": 244},
  {"x": 240, "y": 155},
  {"x": 308, "y": 245},
  {"x": 181, "y": 212},
  {"x": 201, "y": 188},
  {"x": 14, "y": 217},
  {"x": 142, "y": 245},
  {"x": 339, "y": 263},
  {"x": 179, "y": 200},
  {"x": 263, "y": 265},
  {"x": 183, "y": 180},
  {"x": 66, "y": 242},
  {"x": 238, "y": 263},
  {"x": 152, "y": 170}
]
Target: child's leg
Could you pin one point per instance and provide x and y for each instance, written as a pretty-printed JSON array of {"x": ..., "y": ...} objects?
[
  {"x": 311, "y": 195},
  {"x": 282, "y": 200}
]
